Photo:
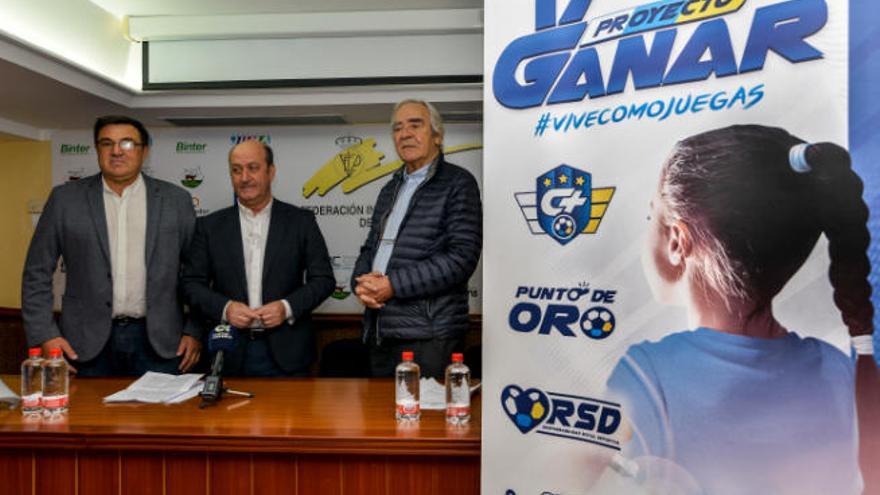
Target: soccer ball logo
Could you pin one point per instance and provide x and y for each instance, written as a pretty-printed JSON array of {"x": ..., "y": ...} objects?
[
  {"x": 598, "y": 323},
  {"x": 564, "y": 226},
  {"x": 526, "y": 408}
]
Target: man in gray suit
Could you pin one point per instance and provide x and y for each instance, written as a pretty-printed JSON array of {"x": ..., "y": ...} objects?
[{"x": 122, "y": 236}]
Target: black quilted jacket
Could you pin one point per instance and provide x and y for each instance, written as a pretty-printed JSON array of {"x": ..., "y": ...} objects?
[{"x": 436, "y": 252}]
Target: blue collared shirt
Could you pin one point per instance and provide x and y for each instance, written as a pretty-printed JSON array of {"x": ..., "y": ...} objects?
[{"x": 411, "y": 182}]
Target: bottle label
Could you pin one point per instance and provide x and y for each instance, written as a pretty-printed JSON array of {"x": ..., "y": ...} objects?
[
  {"x": 407, "y": 408},
  {"x": 30, "y": 401},
  {"x": 55, "y": 401},
  {"x": 458, "y": 410}
]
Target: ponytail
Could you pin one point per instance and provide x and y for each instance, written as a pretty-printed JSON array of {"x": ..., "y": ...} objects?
[
  {"x": 756, "y": 199},
  {"x": 843, "y": 217}
]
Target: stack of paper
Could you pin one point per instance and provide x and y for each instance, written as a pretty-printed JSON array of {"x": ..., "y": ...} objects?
[
  {"x": 158, "y": 388},
  {"x": 8, "y": 398},
  {"x": 432, "y": 395}
]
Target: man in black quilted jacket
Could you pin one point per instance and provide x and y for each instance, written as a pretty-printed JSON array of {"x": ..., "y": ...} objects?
[{"x": 423, "y": 246}]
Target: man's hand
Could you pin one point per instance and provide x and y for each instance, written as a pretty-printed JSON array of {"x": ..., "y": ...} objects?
[
  {"x": 381, "y": 289},
  {"x": 190, "y": 348},
  {"x": 366, "y": 299},
  {"x": 64, "y": 345},
  {"x": 272, "y": 314},
  {"x": 240, "y": 315},
  {"x": 373, "y": 289}
]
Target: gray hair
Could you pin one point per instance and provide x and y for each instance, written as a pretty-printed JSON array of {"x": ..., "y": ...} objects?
[{"x": 436, "y": 119}]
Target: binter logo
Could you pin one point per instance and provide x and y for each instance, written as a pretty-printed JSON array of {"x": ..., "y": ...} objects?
[
  {"x": 561, "y": 60},
  {"x": 564, "y": 204},
  {"x": 75, "y": 149},
  {"x": 187, "y": 147}
]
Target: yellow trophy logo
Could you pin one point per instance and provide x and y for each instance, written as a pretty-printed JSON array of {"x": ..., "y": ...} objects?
[{"x": 358, "y": 163}]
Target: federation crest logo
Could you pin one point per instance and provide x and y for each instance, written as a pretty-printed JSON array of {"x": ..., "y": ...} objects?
[{"x": 564, "y": 204}]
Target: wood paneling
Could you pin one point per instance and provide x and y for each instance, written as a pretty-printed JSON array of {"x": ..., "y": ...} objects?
[
  {"x": 98, "y": 472},
  {"x": 275, "y": 474},
  {"x": 319, "y": 474},
  {"x": 296, "y": 437},
  {"x": 457, "y": 476},
  {"x": 230, "y": 474},
  {"x": 186, "y": 474},
  {"x": 55, "y": 472},
  {"x": 16, "y": 471},
  {"x": 413, "y": 476},
  {"x": 142, "y": 473},
  {"x": 364, "y": 475}
]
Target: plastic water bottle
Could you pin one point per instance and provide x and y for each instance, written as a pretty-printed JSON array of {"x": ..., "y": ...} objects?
[
  {"x": 458, "y": 391},
  {"x": 406, "y": 380},
  {"x": 55, "y": 384},
  {"x": 32, "y": 383}
]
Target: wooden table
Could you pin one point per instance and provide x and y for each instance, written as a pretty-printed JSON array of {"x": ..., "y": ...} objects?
[{"x": 306, "y": 436}]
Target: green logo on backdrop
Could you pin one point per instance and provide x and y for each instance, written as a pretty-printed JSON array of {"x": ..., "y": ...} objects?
[
  {"x": 75, "y": 149},
  {"x": 185, "y": 147}
]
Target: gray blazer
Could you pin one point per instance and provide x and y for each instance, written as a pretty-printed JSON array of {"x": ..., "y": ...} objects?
[{"x": 73, "y": 226}]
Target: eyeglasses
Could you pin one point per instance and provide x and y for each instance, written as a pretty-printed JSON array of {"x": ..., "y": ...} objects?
[{"x": 126, "y": 144}]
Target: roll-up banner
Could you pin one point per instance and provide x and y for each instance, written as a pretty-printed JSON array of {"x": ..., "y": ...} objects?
[
  {"x": 336, "y": 172},
  {"x": 680, "y": 199}
]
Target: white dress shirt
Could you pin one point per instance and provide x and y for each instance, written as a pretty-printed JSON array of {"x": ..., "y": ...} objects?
[
  {"x": 126, "y": 217},
  {"x": 254, "y": 232}
]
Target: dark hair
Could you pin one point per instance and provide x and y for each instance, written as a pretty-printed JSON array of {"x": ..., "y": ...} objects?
[
  {"x": 102, "y": 122},
  {"x": 270, "y": 155},
  {"x": 754, "y": 219}
]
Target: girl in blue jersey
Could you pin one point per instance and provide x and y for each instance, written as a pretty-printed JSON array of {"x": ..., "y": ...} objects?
[{"x": 740, "y": 403}]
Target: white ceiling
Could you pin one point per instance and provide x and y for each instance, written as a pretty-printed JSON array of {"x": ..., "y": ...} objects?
[
  {"x": 36, "y": 100},
  {"x": 67, "y": 97},
  {"x": 240, "y": 7}
]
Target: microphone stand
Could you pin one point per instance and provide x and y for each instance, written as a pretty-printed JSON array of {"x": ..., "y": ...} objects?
[{"x": 213, "y": 389}]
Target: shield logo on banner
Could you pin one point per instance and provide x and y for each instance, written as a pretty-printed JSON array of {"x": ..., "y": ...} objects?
[{"x": 563, "y": 197}]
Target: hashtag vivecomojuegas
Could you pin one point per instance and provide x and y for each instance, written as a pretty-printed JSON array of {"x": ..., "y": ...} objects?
[
  {"x": 658, "y": 110},
  {"x": 543, "y": 122}
]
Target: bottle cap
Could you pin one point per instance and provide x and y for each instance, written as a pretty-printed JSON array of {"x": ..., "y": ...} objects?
[
  {"x": 457, "y": 357},
  {"x": 56, "y": 352},
  {"x": 407, "y": 355},
  {"x": 35, "y": 352}
]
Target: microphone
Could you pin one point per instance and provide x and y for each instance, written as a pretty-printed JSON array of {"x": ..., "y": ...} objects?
[{"x": 223, "y": 338}]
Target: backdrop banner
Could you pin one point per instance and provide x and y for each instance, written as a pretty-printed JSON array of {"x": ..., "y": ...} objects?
[
  {"x": 336, "y": 172},
  {"x": 678, "y": 248}
]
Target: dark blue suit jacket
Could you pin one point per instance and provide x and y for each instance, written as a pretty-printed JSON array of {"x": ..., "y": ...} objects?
[{"x": 296, "y": 268}]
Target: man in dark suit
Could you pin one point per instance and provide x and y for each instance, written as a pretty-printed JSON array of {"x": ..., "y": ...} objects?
[
  {"x": 122, "y": 236},
  {"x": 261, "y": 266}
]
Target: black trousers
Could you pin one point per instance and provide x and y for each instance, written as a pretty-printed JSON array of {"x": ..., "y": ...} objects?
[{"x": 432, "y": 355}]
